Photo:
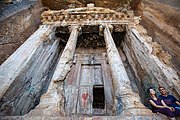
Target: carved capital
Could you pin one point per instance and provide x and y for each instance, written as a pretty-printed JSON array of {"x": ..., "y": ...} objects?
[
  {"x": 101, "y": 30},
  {"x": 102, "y": 27},
  {"x": 72, "y": 27},
  {"x": 111, "y": 27}
]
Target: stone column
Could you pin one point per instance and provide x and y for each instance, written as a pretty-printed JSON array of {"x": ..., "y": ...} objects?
[
  {"x": 66, "y": 59},
  {"x": 52, "y": 102},
  {"x": 125, "y": 99}
]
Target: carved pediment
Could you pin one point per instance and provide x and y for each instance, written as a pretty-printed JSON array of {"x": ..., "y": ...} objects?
[{"x": 87, "y": 16}]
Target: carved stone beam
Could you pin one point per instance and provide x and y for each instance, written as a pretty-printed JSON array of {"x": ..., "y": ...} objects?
[{"x": 124, "y": 95}]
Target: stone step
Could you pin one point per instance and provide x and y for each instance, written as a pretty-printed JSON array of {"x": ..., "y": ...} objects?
[{"x": 43, "y": 117}]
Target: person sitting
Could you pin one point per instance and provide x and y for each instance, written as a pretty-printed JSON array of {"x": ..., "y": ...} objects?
[
  {"x": 158, "y": 106},
  {"x": 170, "y": 100}
]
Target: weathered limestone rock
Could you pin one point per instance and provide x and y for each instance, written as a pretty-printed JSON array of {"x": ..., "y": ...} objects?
[
  {"x": 35, "y": 72},
  {"x": 14, "y": 64},
  {"x": 18, "y": 23},
  {"x": 90, "y": 5},
  {"x": 52, "y": 102},
  {"x": 164, "y": 56},
  {"x": 8, "y": 1},
  {"x": 161, "y": 27},
  {"x": 122, "y": 117},
  {"x": 123, "y": 92},
  {"x": 156, "y": 72},
  {"x": 23, "y": 77}
]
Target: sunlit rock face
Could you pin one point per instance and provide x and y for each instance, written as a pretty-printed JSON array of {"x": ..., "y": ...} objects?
[
  {"x": 161, "y": 21},
  {"x": 78, "y": 47},
  {"x": 64, "y": 4},
  {"x": 18, "y": 20}
]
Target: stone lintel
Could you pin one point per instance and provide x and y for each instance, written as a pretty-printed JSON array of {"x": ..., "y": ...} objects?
[{"x": 88, "y": 16}]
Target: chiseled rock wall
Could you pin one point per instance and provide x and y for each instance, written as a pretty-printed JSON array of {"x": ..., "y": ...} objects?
[
  {"x": 26, "y": 74},
  {"x": 64, "y": 4},
  {"x": 151, "y": 69},
  {"x": 18, "y": 21},
  {"x": 162, "y": 23}
]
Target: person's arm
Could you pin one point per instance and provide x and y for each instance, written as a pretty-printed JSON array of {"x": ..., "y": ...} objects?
[
  {"x": 165, "y": 106},
  {"x": 175, "y": 100},
  {"x": 178, "y": 103},
  {"x": 157, "y": 106}
]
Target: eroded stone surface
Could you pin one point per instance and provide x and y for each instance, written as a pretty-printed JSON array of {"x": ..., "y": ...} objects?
[
  {"x": 131, "y": 117},
  {"x": 123, "y": 91},
  {"x": 150, "y": 62},
  {"x": 162, "y": 23},
  {"x": 25, "y": 75},
  {"x": 64, "y": 4},
  {"x": 18, "y": 22},
  {"x": 156, "y": 70},
  {"x": 52, "y": 103},
  {"x": 87, "y": 16}
]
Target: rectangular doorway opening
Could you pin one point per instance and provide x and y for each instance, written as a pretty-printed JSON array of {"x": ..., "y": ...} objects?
[{"x": 98, "y": 97}]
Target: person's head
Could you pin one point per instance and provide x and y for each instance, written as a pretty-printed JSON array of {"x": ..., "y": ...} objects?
[
  {"x": 162, "y": 90},
  {"x": 151, "y": 91}
]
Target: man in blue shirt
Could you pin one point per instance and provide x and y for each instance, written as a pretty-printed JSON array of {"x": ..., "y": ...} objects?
[{"x": 170, "y": 100}]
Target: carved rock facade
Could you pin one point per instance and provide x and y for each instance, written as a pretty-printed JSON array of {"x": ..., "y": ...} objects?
[{"x": 77, "y": 50}]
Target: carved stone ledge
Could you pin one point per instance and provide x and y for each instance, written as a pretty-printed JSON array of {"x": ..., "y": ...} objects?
[{"x": 87, "y": 16}]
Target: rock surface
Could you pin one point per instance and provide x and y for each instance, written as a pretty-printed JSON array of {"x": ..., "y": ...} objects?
[
  {"x": 25, "y": 75},
  {"x": 162, "y": 24},
  {"x": 18, "y": 21},
  {"x": 64, "y": 4},
  {"x": 147, "y": 66}
]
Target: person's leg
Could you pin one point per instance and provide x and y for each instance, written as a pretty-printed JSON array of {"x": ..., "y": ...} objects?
[
  {"x": 166, "y": 112},
  {"x": 171, "y": 118},
  {"x": 177, "y": 108},
  {"x": 176, "y": 112}
]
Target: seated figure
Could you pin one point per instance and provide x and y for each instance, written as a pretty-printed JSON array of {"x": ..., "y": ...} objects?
[
  {"x": 170, "y": 100},
  {"x": 159, "y": 106}
]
